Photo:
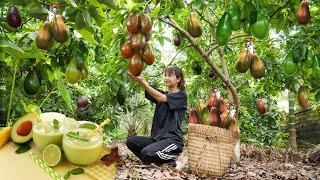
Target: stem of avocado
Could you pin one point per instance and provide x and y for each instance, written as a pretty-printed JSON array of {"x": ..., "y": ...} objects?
[{"x": 12, "y": 89}]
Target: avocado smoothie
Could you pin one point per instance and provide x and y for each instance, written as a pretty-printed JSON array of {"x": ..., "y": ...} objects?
[
  {"x": 81, "y": 147},
  {"x": 49, "y": 130}
]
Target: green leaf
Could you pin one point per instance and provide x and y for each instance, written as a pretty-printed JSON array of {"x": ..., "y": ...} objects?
[
  {"x": 72, "y": 2},
  {"x": 23, "y": 149},
  {"x": 94, "y": 3},
  {"x": 15, "y": 51},
  {"x": 12, "y": 49},
  {"x": 129, "y": 5},
  {"x": 56, "y": 124},
  {"x": 77, "y": 171},
  {"x": 64, "y": 93},
  {"x": 88, "y": 36},
  {"x": 39, "y": 12},
  {"x": 96, "y": 16},
  {"x": 138, "y": 1},
  {"x": 109, "y": 3},
  {"x": 29, "y": 108},
  {"x": 7, "y": 27}
]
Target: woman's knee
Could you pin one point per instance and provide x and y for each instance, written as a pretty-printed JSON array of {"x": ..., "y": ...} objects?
[
  {"x": 147, "y": 153},
  {"x": 129, "y": 142}
]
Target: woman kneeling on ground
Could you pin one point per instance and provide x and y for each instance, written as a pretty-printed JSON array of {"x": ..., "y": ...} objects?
[{"x": 166, "y": 142}]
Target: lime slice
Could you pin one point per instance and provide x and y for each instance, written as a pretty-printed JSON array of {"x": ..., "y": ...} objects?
[
  {"x": 52, "y": 155},
  {"x": 88, "y": 126}
]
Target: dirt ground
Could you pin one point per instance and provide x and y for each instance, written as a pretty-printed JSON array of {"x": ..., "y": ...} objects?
[{"x": 255, "y": 163}]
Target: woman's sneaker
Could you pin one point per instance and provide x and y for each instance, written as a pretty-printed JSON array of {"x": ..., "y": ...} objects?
[{"x": 181, "y": 161}]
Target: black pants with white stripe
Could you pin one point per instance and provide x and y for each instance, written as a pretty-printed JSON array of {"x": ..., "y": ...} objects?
[{"x": 150, "y": 151}]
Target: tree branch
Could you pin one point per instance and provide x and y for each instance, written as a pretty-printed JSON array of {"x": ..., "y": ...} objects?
[
  {"x": 210, "y": 50},
  {"x": 7, "y": 37},
  {"x": 179, "y": 51},
  {"x": 281, "y": 7},
  {"x": 241, "y": 84},
  {"x": 44, "y": 4},
  {"x": 238, "y": 36},
  {"x": 211, "y": 25},
  {"x": 221, "y": 57},
  {"x": 207, "y": 58}
]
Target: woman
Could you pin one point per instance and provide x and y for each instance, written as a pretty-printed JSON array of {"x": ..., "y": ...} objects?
[{"x": 166, "y": 142}]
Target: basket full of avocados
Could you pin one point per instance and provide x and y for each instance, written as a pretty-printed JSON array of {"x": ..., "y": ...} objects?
[{"x": 210, "y": 149}]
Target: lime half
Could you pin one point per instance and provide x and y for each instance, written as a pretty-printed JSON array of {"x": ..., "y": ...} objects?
[{"x": 52, "y": 155}]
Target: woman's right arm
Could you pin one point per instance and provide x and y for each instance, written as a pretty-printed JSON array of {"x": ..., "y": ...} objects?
[{"x": 157, "y": 95}]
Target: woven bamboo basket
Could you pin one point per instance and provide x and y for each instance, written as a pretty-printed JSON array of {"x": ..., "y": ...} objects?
[{"x": 210, "y": 149}]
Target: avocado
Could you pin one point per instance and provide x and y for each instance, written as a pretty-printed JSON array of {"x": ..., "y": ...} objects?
[
  {"x": 73, "y": 75},
  {"x": 31, "y": 83},
  {"x": 316, "y": 71},
  {"x": 80, "y": 63},
  {"x": 224, "y": 29},
  {"x": 260, "y": 28},
  {"x": 196, "y": 67},
  {"x": 13, "y": 17},
  {"x": 21, "y": 131},
  {"x": 310, "y": 59},
  {"x": 299, "y": 53},
  {"x": 247, "y": 27},
  {"x": 194, "y": 25},
  {"x": 235, "y": 17},
  {"x": 289, "y": 66},
  {"x": 82, "y": 103}
]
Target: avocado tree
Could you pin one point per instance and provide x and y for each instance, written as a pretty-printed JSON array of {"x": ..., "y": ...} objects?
[
  {"x": 210, "y": 38},
  {"x": 259, "y": 29}
]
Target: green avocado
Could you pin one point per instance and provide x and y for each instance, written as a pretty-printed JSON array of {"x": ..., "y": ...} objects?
[
  {"x": 196, "y": 67},
  {"x": 21, "y": 131},
  {"x": 310, "y": 59},
  {"x": 235, "y": 17},
  {"x": 260, "y": 28},
  {"x": 299, "y": 53},
  {"x": 224, "y": 29},
  {"x": 316, "y": 68},
  {"x": 247, "y": 27},
  {"x": 289, "y": 66},
  {"x": 247, "y": 11},
  {"x": 31, "y": 83},
  {"x": 73, "y": 75}
]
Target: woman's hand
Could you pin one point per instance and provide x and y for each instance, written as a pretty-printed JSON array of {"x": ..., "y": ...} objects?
[
  {"x": 140, "y": 79},
  {"x": 158, "y": 96}
]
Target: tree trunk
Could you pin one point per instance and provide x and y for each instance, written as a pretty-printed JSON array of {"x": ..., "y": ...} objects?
[{"x": 291, "y": 123}]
